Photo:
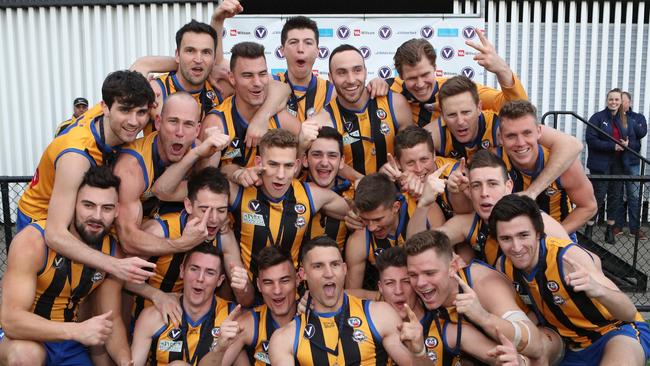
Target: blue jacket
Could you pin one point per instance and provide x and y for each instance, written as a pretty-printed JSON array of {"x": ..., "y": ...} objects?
[
  {"x": 638, "y": 127},
  {"x": 601, "y": 149}
]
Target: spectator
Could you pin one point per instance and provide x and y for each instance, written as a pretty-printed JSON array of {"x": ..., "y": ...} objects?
[
  {"x": 606, "y": 158},
  {"x": 638, "y": 128},
  {"x": 80, "y": 107}
]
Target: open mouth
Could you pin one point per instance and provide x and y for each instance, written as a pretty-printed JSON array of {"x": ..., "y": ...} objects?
[
  {"x": 329, "y": 289},
  {"x": 197, "y": 71},
  {"x": 301, "y": 63},
  {"x": 323, "y": 173},
  {"x": 197, "y": 290},
  {"x": 278, "y": 301},
  {"x": 428, "y": 295},
  {"x": 177, "y": 148},
  {"x": 277, "y": 186},
  {"x": 212, "y": 230},
  {"x": 94, "y": 226}
]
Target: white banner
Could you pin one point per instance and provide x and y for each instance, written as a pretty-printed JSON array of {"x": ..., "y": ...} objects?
[{"x": 377, "y": 38}]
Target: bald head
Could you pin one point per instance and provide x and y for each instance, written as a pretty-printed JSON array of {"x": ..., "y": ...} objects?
[{"x": 183, "y": 101}]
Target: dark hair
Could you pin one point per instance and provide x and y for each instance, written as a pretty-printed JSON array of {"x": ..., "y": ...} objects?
[
  {"x": 330, "y": 133},
  {"x": 278, "y": 138},
  {"x": 375, "y": 190},
  {"x": 412, "y": 51},
  {"x": 210, "y": 178},
  {"x": 196, "y": 27},
  {"x": 249, "y": 50},
  {"x": 342, "y": 48},
  {"x": 432, "y": 239},
  {"x": 206, "y": 248},
  {"x": 518, "y": 108},
  {"x": 391, "y": 257},
  {"x": 487, "y": 159},
  {"x": 100, "y": 177},
  {"x": 322, "y": 241},
  {"x": 271, "y": 256},
  {"x": 457, "y": 85},
  {"x": 514, "y": 205},
  {"x": 620, "y": 112},
  {"x": 410, "y": 137},
  {"x": 299, "y": 22},
  {"x": 627, "y": 94},
  {"x": 127, "y": 87}
]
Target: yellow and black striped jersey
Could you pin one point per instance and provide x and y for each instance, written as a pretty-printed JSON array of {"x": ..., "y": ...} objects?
[
  {"x": 485, "y": 246},
  {"x": 486, "y": 137},
  {"x": 304, "y": 102}
]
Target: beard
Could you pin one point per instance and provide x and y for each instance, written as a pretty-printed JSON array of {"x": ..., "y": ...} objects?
[{"x": 93, "y": 240}]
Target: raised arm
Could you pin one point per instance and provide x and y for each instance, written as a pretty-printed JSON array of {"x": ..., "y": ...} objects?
[
  {"x": 277, "y": 96},
  {"x": 328, "y": 202},
  {"x": 238, "y": 275},
  {"x": 565, "y": 149},
  {"x": 148, "y": 64}
]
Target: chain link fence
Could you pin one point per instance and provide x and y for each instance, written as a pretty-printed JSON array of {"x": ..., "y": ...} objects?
[{"x": 11, "y": 188}]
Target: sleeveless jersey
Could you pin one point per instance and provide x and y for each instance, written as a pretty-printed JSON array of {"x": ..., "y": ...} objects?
[
  {"x": 264, "y": 325},
  {"x": 235, "y": 126},
  {"x": 345, "y": 337},
  {"x": 486, "y": 248},
  {"x": 62, "y": 284},
  {"x": 554, "y": 200},
  {"x": 86, "y": 138},
  {"x": 63, "y": 125},
  {"x": 261, "y": 221},
  {"x": 579, "y": 319},
  {"x": 375, "y": 246},
  {"x": 192, "y": 340},
  {"x": 207, "y": 97},
  {"x": 325, "y": 225},
  {"x": 168, "y": 267},
  {"x": 435, "y": 339},
  {"x": 486, "y": 137},
  {"x": 368, "y": 134},
  {"x": 304, "y": 102}
]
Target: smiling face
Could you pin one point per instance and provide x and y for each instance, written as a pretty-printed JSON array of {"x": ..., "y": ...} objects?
[
  {"x": 202, "y": 273},
  {"x": 250, "y": 79},
  {"x": 519, "y": 138},
  {"x": 324, "y": 159},
  {"x": 126, "y": 123},
  {"x": 614, "y": 101},
  {"x": 95, "y": 211},
  {"x": 487, "y": 186},
  {"x": 382, "y": 221},
  {"x": 418, "y": 160},
  {"x": 300, "y": 50},
  {"x": 324, "y": 270},
  {"x": 420, "y": 79},
  {"x": 217, "y": 203},
  {"x": 278, "y": 287},
  {"x": 519, "y": 241},
  {"x": 431, "y": 276},
  {"x": 348, "y": 74}
]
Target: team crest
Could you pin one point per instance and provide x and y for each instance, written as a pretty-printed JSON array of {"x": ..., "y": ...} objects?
[
  {"x": 431, "y": 342},
  {"x": 309, "y": 331},
  {"x": 485, "y": 144},
  {"x": 174, "y": 334},
  {"x": 359, "y": 336},
  {"x": 216, "y": 332},
  {"x": 299, "y": 208},
  {"x": 300, "y": 222},
  {"x": 550, "y": 191},
  {"x": 381, "y": 114},
  {"x": 235, "y": 143},
  {"x": 454, "y": 154},
  {"x": 429, "y": 107},
  {"x": 373, "y": 152},
  {"x": 378, "y": 252},
  {"x": 210, "y": 94},
  {"x": 98, "y": 276},
  {"x": 58, "y": 261},
  {"x": 292, "y": 108},
  {"x": 254, "y": 205},
  {"x": 384, "y": 129},
  {"x": 354, "y": 322},
  {"x": 310, "y": 112},
  {"x": 553, "y": 286},
  {"x": 348, "y": 125},
  {"x": 558, "y": 300},
  {"x": 432, "y": 356}
]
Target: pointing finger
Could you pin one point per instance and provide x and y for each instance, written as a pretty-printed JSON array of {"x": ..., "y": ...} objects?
[
  {"x": 412, "y": 317},
  {"x": 463, "y": 284},
  {"x": 438, "y": 172},
  {"x": 234, "y": 313},
  {"x": 206, "y": 216}
]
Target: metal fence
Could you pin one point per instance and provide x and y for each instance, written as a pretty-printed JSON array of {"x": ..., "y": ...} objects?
[{"x": 11, "y": 188}]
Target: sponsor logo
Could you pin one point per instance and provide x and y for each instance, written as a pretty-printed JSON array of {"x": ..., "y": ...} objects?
[
  {"x": 216, "y": 332},
  {"x": 325, "y": 32},
  {"x": 343, "y": 32},
  {"x": 469, "y": 32},
  {"x": 447, "y": 32},
  {"x": 365, "y": 52},
  {"x": 558, "y": 300},
  {"x": 323, "y": 52},
  {"x": 447, "y": 53},
  {"x": 468, "y": 72},
  {"x": 279, "y": 54},
  {"x": 439, "y": 73},
  {"x": 378, "y": 251},
  {"x": 210, "y": 94},
  {"x": 263, "y": 357},
  {"x": 233, "y": 32},
  {"x": 384, "y": 129},
  {"x": 277, "y": 71},
  {"x": 431, "y": 342},
  {"x": 254, "y": 205},
  {"x": 299, "y": 208},
  {"x": 358, "y": 336},
  {"x": 234, "y": 153},
  {"x": 300, "y": 222},
  {"x": 381, "y": 114},
  {"x": 550, "y": 191},
  {"x": 373, "y": 152},
  {"x": 385, "y": 32},
  {"x": 429, "y": 107},
  {"x": 174, "y": 334},
  {"x": 309, "y": 331},
  {"x": 357, "y": 32},
  {"x": 553, "y": 286},
  {"x": 461, "y": 53},
  {"x": 261, "y": 32},
  {"x": 98, "y": 276},
  {"x": 426, "y": 32},
  {"x": 265, "y": 346},
  {"x": 354, "y": 322},
  {"x": 348, "y": 125},
  {"x": 253, "y": 219},
  {"x": 170, "y": 346},
  {"x": 384, "y": 72},
  {"x": 432, "y": 356}
]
